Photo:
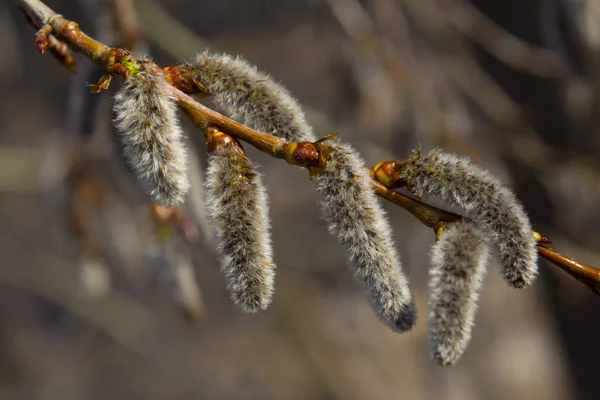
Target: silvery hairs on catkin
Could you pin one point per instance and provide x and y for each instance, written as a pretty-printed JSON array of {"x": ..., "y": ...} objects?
[
  {"x": 356, "y": 218},
  {"x": 458, "y": 264},
  {"x": 237, "y": 209},
  {"x": 145, "y": 113},
  {"x": 486, "y": 203},
  {"x": 251, "y": 97}
]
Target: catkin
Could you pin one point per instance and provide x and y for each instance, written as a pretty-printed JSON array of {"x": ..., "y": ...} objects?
[
  {"x": 237, "y": 209},
  {"x": 355, "y": 217},
  {"x": 459, "y": 260},
  {"x": 146, "y": 119},
  {"x": 486, "y": 203},
  {"x": 250, "y": 96}
]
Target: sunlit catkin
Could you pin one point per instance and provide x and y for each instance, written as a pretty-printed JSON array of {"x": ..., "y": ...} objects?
[
  {"x": 458, "y": 264},
  {"x": 355, "y": 217},
  {"x": 250, "y": 96},
  {"x": 486, "y": 203},
  {"x": 146, "y": 119},
  {"x": 237, "y": 209}
]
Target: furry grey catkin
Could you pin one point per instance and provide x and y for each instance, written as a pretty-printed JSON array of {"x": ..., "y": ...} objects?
[
  {"x": 459, "y": 260},
  {"x": 146, "y": 119},
  {"x": 251, "y": 97},
  {"x": 237, "y": 208},
  {"x": 355, "y": 217},
  {"x": 485, "y": 201}
]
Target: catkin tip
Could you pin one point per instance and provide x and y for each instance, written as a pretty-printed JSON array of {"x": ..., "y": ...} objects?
[{"x": 405, "y": 320}]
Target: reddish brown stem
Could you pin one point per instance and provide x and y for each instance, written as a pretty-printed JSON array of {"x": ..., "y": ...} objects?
[
  {"x": 584, "y": 273},
  {"x": 204, "y": 117},
  {"x": 428, "y": 215}
]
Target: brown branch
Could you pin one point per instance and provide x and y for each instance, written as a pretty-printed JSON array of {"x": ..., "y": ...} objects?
[
  {"x": 309, "y": 155},
  {"x": 428, "y": 215},
  {"x": 204, "y": 117},
  {"x": 40, "y": 15},
  {"x": 586, "y": 274}
]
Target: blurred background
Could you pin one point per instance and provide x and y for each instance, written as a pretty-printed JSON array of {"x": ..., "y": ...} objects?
[{"x": 102, "y": 297}]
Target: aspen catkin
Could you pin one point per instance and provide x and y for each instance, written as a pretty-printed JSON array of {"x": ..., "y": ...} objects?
[
  {"x": 492, "y": 207},
  {"x": 459, "y": 259},
  {"x": 251, "y": 97},
  {"x": 146, "y": 119},
  {"x": 355, "y": 217},
  {"x": 237, "y": 208}
]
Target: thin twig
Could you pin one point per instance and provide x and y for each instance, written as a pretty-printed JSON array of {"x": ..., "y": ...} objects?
[{"x": 586, "y": 274}]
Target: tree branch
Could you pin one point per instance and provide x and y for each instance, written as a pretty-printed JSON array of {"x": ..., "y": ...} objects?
[
  {"x": 586, "y": 274},
  {"x": 309, "y": 155}
]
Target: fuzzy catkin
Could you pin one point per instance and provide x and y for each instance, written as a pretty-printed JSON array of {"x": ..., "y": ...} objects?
[
  {"x": 146, "y": 119},
  {"x": 237, "y": 209},
  {"x": 251, "y": 97},
  {"x": 486, "y": 203},
  {"x": 356, "y": 218},
  {"x": 458, "y": 260}
]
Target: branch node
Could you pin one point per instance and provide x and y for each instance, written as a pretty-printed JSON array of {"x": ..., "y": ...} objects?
[
  {"x": 540, "y": 239},
  {"x": 303, "y": 154},
  {"x": 388, "y": 174},
  {"x": 181, "y": 77},
  {"x": 216, "y": 139}
]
